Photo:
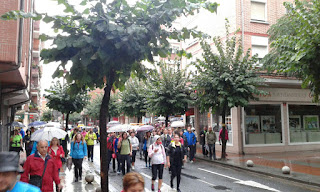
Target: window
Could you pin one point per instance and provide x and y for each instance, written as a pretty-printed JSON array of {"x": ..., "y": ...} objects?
[
  {"x": 262, "y": 124},
  {"x": 259, "y": 46},
  {"x": 304, "y": 123},
  {"x": 258, "y": 10}
]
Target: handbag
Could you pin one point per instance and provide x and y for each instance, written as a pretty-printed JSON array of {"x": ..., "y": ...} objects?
[
  {"x": 69, "y": 163},
  {"x": 114, "y": 156},
  {"x": 36, "y": 180}
]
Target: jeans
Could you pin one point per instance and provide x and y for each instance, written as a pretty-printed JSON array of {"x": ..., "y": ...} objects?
[
  {"x": 191, "y": 152},
  {"x": 90, "y": 152},
  {"x": 146, "y": 157},
  {"x": 125, "y": 159},
  {"x": 141, "y": 150},
  {"x": 212, "y": 150},
  {"x": 77, "y": 167}
]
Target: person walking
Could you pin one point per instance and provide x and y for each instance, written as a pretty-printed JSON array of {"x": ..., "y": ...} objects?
[
  {"x": 64, "y": 143},
  {"x": 203, "y": 141},
  {"x": 9, "y": 171},
  {"x": 16, "y": 141},
  {"x": 211, "y": 139},
  {"x": 110, "y": 148},
  {"x": 140, "y": 137},
  {"x": 224, "y": 137},
  {"x": 135, "y": 147},
  {"x": 40, "y": 169},
  {"x": 90, "y": 137},
  {"x": 166, "y": 139},
  {"x": 191, "y": 138},
  {"x": 146, "y": 144},
  {"x": 78, "y": 152},
  {"x": 56, "y": 152},
  {"x": 176, "y": 155},
  {"x": 28, "y": 144},
  {"x": 117, "y": 155},
  {"x": 125, "y": 150},
  {"x": 157, "y": 154}
]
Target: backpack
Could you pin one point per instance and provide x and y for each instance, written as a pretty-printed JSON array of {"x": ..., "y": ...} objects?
[{"x": 110, "y": 143}]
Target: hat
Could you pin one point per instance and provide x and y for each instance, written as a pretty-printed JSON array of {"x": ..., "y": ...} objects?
[
  {"x": 156, "y": 137},
  {"x": 9, "y": 161}
]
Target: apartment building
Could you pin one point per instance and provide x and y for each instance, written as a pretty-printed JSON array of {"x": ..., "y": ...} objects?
[{"x": 15, "y": 64}]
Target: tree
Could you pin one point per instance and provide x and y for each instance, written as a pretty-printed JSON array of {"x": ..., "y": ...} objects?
[
  {"x": 61, "y": 100},
  {"x": 295, "y": 44},
  {"x": 133, "y": 98},
  {"x": 227, "y": 78},
  {"x": 93, "y": 107},
  {"x": 167, "y": 91},
  {"x": 46, "y": 115},
  {"x": 75, "y": 117},
  {"x": 107, "y": 41}
]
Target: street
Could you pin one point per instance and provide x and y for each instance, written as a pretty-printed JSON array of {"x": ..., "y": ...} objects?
[{"x": 206, "y": 176}]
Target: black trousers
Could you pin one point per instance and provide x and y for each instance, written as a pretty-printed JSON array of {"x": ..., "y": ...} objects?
[
  {"x": 65, "y": 148},
  {"x": 191, "y": 152},
  {"x": 109, "y": 157},
  {"x": 133, "y": 158},
  {"x": 125, "y": 159},
  {"x": 157, "y": 168},
  {"x": 77, "y": 167},
  {"x": 224, "y": 145},
  {"x": 90, "y": 152},
  {"x": 145, "y": 152},
  {"x": 175, "y": 172}
]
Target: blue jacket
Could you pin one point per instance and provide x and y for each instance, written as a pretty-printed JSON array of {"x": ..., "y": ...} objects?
[
  {"x": 78, "y": 151},
  {"x": 34, "y": 147},
  {"x": 116, "y": 144},
  {"x": 24, "y": 187},
  {"x": 191, "y": 138}
]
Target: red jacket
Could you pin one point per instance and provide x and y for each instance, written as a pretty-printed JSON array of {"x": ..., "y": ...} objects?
[
  {"x": 56, "y": 157},
  {"x": 226, "y": 135},
  {"x": 34, "y": 165}
]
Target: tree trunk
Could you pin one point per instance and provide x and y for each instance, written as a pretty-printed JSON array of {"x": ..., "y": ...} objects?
[
  {"x": 167, "y": 120},
  {"x": 67, "y": 120},
  {"x": 104, "y": 113},
  {"x": 139, "y": 119},
  {"x": 223, "y": 139}
]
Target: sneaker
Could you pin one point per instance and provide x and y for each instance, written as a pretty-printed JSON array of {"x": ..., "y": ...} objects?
[
  {"x": 152, "y": 187},
  {"x": 80, "y": 178},
  {"x": 159, "y": 190},
  {"x": 171, "y": 184},
  {"x": 118, "y": 172},
  {"x": 178, "y": 190},
  {"x": 191, "y": 161},
  {"x": 132, "y": 167},
  {"x": 92, "y": 160},
  {"x": 76, "y": 180}
]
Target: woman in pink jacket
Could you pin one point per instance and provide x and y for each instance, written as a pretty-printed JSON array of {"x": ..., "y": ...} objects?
[{"x": 157, "y": 154}]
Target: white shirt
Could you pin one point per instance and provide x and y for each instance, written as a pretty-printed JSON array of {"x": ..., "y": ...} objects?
[{"x": 158, "y": 157}]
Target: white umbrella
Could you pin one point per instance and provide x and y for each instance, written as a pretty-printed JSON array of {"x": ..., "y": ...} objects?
[
  {"x": 161, "y": 118},
  {"x": 47, "y": 133},
  {"x": 119, "y": 128},
  {"x": 113, "y": 123},
  {"x": 177, "y": 124},
  {"x": 53, "y": 124}
]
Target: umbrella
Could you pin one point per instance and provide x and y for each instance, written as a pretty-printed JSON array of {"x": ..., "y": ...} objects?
[
  {"x": 15, "y": 124},
  {"x": 161, "y": 118},
  {"x": 113, "y": 123},
  {"x": 145, "y": 128},
  {"x": 119, "y": 128},
  {"x": 47, "y": 133},
  {"x": 177, "y": 124},
  {"x": 37, "y": 124},
  {"x": 53, "y": 124}
]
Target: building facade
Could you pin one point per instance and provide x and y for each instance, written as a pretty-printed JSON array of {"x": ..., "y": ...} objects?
[{"x": 15, "y": 64}]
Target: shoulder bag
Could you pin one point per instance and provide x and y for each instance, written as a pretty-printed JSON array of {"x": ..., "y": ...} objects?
[{"x": 36, "y": 180}]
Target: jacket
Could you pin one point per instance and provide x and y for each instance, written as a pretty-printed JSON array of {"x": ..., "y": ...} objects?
[
  {"x": 90, "y": 137},
  {"x": 191, "y": 138},
  {"x": 226, "y": 135},
  {"x": 134, "y": 142},
  {"x": 176, "y": 154},
  {"x": 211, "y": 138},
  {"x": 78, "y": 151},
  {"x": 166, "y": 140},
  {"x": 24, "y": 187},
  {"x": 203, "y": 137},
  {"x": 34, "y": 165},
  {"x": 158, "y": 157},
  {"x": 56, "y": 157}
]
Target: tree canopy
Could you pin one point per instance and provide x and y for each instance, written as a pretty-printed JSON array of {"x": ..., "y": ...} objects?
[
  {"x": 295, "y": 44},
  {"x": 133, "y": 98},
  {"x": 167, "y": 91}
]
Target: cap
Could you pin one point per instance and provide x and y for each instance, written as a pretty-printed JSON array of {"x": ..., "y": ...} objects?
[{"x": 9, "y": 161}]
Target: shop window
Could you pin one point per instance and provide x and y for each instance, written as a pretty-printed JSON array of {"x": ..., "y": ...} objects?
[
  {"x": 304, "y": 123},
  {"x": 228, "y": 124},
  {"x": 262, "y": 124},
  {"x": 258, "y": 10}
]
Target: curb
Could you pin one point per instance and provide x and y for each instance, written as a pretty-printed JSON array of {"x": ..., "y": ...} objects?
[{"x": 259, "y": 172}]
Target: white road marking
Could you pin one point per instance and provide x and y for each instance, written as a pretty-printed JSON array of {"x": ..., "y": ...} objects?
[
  {"x": 164, "y": 188},
  {"x": 238, "y": 181},
  {"x": 206, "y": 182}
]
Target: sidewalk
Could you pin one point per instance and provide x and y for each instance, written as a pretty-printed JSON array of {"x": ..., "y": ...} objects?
[{"x": 304, "y": 165}]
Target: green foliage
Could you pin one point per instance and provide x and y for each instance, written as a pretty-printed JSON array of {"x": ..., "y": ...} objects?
[
  {"x": 167, "y": 91},
  {"x": 226, "y": 78},
  {"x": 93, "y": 107},
  {"x": 75, "y": 117},
  {"x": 46, "y": 115},
  {"x": 133, "y": 98},
  {"x": 61, "y": 100},
  {"x": 295, "y": 41}
]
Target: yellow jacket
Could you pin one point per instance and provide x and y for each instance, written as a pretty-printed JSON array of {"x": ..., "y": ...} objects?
[{"x": 90, "y": 137}]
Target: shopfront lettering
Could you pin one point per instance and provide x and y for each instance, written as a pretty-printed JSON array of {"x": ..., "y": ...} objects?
[{"x": 278, "y": 94}]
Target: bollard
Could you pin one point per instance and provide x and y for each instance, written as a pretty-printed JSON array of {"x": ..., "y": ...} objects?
[
  {"x": 250, "y": 163},
  {"x": 286, "y": 170},
  {"x": 89, "y": 178},
  {"x": 98, "y": 189}
]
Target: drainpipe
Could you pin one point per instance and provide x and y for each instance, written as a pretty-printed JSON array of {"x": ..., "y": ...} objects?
[
  {"x": 242, "y": 41},
  {"x": 19, "y": 41}
]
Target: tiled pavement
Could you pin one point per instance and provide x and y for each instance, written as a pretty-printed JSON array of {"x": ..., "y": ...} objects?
[{"x": 304, "y": 165}]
